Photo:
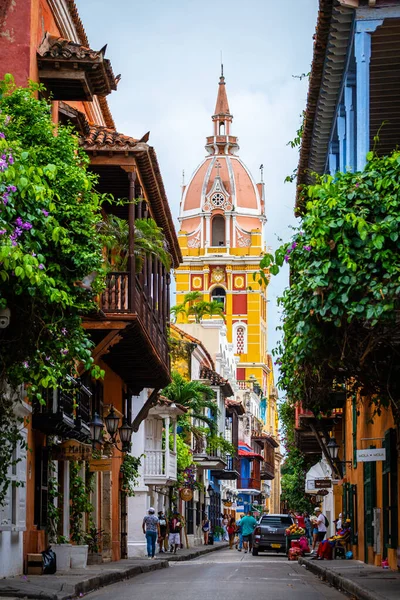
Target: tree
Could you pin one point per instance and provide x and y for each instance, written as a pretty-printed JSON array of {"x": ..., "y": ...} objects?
[
  {"x": 194, "y": 305},
  {"x": 49, "y": 242},
  {"x": 197, "y": 398}
]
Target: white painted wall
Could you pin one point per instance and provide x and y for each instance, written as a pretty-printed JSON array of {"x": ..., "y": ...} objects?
[{"x": 11, "y": 553}]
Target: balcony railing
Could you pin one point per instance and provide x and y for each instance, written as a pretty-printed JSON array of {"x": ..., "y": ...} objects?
[
  {"x": 64, "y": 411},
  {"x": 249, "y": 483},
  {"x": 249, "y": 384},
  {"x": 148, "y": 298},
  {"x": 157, "y": 465}
]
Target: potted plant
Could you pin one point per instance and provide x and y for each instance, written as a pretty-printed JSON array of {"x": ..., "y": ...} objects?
[
  {"x": 93, "y": 540},
  {"x": 59, "y": 543},
  {"x": 218, "y": 533},
  {"x": 80, "y": 505}
]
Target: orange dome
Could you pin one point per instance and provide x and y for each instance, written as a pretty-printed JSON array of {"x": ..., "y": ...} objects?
[{"x": 222, "y": 184}]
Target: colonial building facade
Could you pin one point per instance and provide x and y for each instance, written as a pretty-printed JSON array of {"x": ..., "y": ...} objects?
[{"x": 45, "y": 41}]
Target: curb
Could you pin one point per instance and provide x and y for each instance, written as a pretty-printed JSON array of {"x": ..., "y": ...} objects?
[
  {"x": 90, "y": 584},
  {"x": 196, "y": 553},
  {"x": 337, "y": 580}
]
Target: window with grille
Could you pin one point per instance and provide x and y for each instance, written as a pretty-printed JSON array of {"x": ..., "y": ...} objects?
[
  {"x": 218, "y": 200},
  {"x": 240, "y": 335}
]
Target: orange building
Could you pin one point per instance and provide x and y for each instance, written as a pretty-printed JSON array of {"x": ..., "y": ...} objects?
[{"x": 44, "y": 41}]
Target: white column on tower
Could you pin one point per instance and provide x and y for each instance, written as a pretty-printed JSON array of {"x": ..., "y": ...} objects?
[{"x": 208, "y": 231}]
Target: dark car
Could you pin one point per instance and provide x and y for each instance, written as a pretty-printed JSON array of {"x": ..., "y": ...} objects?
[{"x": 269, "y": 534}]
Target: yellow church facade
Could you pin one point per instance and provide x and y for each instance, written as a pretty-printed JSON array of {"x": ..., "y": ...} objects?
[{"x": 222, "y": 217}]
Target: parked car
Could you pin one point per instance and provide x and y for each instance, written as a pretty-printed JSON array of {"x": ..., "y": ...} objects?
[{"x": 269, "y": 534}]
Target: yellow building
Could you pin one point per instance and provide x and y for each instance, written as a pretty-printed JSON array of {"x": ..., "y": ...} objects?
[
  {"x": 221, "y": 238},
  {"x": 222, "y": 216}
]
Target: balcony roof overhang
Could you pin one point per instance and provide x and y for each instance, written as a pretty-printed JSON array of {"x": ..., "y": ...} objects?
[
  {"x": 225, "y": 474},
  {"x": 74, "y": 72}
]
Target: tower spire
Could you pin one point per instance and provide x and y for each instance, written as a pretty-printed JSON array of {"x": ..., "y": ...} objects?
[
  {"x": 222, "y": 106},
  {"x": 222, "y": 141}
]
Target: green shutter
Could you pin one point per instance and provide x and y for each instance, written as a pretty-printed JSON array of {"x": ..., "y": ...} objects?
[
  {"x": 354, "y": 406},
  {"x": 354, "y": 517},
  {"x": 390, "y": 497}
]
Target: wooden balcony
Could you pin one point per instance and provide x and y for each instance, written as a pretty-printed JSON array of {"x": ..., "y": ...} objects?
[
  {"x": 308, "y": 427},
  {"x": 131, "y": 329},
  {"x": 65, "y": 412},
  {"x": 208, "y": 458},
  {"x": 230, "y": 472},
  {"x": 249, "y": 483},
  {"x": 159, "y": 468}
]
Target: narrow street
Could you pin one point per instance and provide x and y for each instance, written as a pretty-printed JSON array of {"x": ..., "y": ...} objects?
[{"x": 224, "y": 575}]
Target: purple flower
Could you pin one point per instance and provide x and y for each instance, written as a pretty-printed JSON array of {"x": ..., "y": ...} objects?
[
  {"x": 7, "y": 120},
  {"x": 64, "y": 351},
  {"x": 41, "y": 266},
  {"x": 294, "y": 245},
  {"x": 33, "y": 253},
  {"x": 19, "y": 222},
  {"x": 3, "y": 165},
  {"x": 5, "y": 199},
  {"x": 287, "y": 257},
  {"x": 64, "y": 331},
  {"x": 357, "y": 184},
  {"x": 3, "y": 231},
  {"x": 17, "y": 231},
  {"x": 2, "y": 136},
  {"x": 11, "y": 188},
  {"x": 10, "y": 159},
  {"x": 27, "y": 226},
  {"x": 308, "y": 248},
  {"x": 26, "y": 364},
  {"x": 46, "y": 214}
]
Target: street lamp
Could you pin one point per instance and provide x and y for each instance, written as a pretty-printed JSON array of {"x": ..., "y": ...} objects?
[
  {"x": 96, "y": 428},
  {"x": 333, "y": 448},
  {"x": 125, "y": 435},
  {"x": 112, "y": 420},
  {"x": 210, "y": 491}
]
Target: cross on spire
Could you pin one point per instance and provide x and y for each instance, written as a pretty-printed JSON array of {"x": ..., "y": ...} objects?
[{"x": 217, "y": 166}]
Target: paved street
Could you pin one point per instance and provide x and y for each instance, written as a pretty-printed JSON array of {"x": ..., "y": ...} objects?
[{"x": 224, "y": 575}]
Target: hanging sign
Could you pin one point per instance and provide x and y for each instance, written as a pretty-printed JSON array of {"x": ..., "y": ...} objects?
[
  {"x": 186, "y": 494},
  {"x": 322, "y": 483},
  {"x": 100, "y": 464},
  {"x": 371, "y": 454},
  {"x": 71, "y": 450}
]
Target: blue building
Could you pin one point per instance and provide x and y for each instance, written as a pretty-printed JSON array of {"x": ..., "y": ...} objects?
[{"x": 354, "y": 92}]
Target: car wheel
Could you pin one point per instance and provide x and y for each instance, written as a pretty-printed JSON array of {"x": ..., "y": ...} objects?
[{"x": 255, "y": 552}]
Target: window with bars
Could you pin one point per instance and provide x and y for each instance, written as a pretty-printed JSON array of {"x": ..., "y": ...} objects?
[
  {"x": 240, "y": 334},
  {"x": 13, "y": 509}
]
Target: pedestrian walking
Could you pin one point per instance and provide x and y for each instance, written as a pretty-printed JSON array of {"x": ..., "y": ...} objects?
[
  {"x": 239, "y": 544},
  {"x": 231, "y": 529},
  {"x": 151, "y": 529},
  {"x": 248, "y": 525},
  {"x": 338, "y": 522},
  {"x": 321, "y": 524},
  {"x": 224, "y": 524},
  {"x": 175, "y": 527},
  {"x": 205, "y": 526},
  {"x": 308, "y": 527},
  {"x": 163, "y": 530}
]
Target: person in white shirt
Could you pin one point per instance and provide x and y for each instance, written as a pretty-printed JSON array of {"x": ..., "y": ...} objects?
[{"x": 320, "y": 524}]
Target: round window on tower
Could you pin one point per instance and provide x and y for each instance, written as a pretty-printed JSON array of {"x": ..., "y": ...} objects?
[{"x": 218, "y": 200}]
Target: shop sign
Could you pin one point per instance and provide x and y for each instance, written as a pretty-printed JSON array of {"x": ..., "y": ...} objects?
[
  {"x": 371, "y": 454},
  {"x": 100, "y": 464},
  {"x": 186, "y": 494},
  {"x": 322, "y": 483},
  {"x": 71, "y": 450},
  {"x": 322, "y": 493}
]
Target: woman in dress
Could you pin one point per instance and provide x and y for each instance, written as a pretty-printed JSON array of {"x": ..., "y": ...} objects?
[
  {"x": 231, "y": 529},
  {"x": 205, "y": 526}
]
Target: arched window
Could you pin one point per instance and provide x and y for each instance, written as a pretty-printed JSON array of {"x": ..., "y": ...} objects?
[
  {"x": 222, "y": 128},
  {"x": 240, "y": 338},
  {"x": 219, "y": 294},
  {"x": 218, "y": 231}
]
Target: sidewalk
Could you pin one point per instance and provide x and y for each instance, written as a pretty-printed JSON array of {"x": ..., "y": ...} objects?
[
  {"x": 364, "y": 582},
  {"x": 71, "y": 584}
]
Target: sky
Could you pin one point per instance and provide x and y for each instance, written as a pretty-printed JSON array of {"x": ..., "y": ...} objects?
[{"x": 168, "y": 52}]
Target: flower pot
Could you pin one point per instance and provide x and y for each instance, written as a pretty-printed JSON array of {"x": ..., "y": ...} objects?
[
  {"x": 63, "y": 556},
  {"x": 95, "y": 558},
  {"x": 79, "y": 555}
]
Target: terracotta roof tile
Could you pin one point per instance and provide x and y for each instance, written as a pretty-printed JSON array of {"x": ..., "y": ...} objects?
[
  {"x": 164, "y": 401},
  {"x": 216, "y": 379},
  {"x": 104, "y": 138}
]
